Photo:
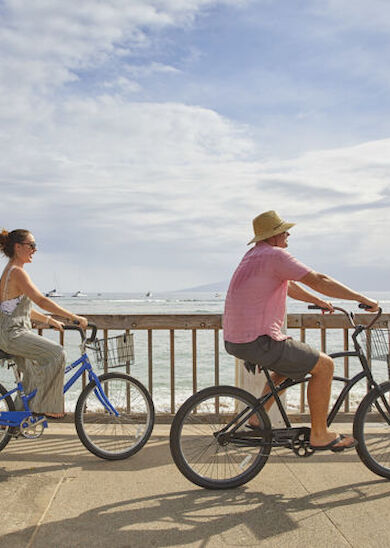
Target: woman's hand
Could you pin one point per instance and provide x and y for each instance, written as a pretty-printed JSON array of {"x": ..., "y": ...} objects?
[
  {"x": 55, "y": 324},
  {"x": 83, "y": 322}
]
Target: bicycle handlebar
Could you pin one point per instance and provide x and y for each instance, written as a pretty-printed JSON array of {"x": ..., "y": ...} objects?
[
  {"x": 76, "y": 327},
  {"x": 350, "y": 315}
]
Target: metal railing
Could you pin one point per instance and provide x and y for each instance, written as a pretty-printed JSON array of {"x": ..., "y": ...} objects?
[{"x": 299, "y": 325}]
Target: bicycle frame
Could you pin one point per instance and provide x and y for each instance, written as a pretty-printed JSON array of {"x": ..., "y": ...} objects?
[
  {"x": 15, "y": 418},
  {"x": 86, "y": 366},
  {"x": 243, "y": 417}
]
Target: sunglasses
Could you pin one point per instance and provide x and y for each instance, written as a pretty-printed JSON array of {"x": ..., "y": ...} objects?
[{"x": 32, "y": 245}]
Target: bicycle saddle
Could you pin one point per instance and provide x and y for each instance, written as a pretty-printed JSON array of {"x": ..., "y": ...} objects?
[{"x": 251, "y": 367}]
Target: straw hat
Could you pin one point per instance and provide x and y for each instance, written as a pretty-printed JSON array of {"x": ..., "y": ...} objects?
[{"x": 268, "y": 224}]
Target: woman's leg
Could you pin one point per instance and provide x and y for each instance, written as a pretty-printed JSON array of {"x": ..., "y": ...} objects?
[{"x": 42, "y": 364}]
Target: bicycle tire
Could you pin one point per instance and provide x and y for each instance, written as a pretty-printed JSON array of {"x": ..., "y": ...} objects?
[
  {"x": 109, "y": 436},
  {"x": 6, "y": 404},
  {"x": 371, "y": 429},
  {"x": 210, "y": 465}
]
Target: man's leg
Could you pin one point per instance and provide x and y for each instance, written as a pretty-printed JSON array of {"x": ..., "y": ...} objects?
[{"x": 318, "y": 396}]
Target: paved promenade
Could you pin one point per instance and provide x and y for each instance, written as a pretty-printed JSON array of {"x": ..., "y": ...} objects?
[{"x": 55, "y": 493}]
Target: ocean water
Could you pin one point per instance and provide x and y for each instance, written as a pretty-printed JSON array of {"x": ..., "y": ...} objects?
[{"x": 189, "y": 303}]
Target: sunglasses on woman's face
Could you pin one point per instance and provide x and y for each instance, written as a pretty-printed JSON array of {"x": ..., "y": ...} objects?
[{"x": 32, "y": 245}]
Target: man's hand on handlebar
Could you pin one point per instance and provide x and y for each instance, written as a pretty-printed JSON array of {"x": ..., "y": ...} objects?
[{"x": 326, "y": 306}]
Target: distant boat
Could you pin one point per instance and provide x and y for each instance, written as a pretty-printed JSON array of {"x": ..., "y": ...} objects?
[
  {"x": 148, "y": 294},
  {"x": 79, "y": 294},
  {"x": 53, "y": 294}
]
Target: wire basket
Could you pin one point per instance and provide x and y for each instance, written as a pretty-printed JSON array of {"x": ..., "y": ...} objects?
[
  {"x": 377, "y": 344},
  {"x": 113, "y": 351}
]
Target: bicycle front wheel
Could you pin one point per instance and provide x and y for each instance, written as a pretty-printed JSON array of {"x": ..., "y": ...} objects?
[
  {"x": 371, "y": 429},
  {"x": 6, "y": 404},
  {"x": 120, "y": 427},
  {"x": 203, "y": 446}
]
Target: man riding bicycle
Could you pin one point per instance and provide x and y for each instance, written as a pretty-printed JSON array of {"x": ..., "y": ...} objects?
[{"x": 254, "y": 314}]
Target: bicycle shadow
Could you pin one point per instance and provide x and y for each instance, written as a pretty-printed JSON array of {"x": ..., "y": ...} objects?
[
  {"x": 236, "y": 517},
  {"x": 55, "y": 452}
]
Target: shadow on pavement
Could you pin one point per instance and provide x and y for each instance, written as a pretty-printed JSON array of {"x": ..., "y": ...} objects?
[
  {"x": 236, "y": 517},
  {"x": 68, "y": 452},
  {"x": 53, "y": 452}
]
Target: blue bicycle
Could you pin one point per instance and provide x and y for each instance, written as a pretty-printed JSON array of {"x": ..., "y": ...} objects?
[{"x": 114, "y": 414}]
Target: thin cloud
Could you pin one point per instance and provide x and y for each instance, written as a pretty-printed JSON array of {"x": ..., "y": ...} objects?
[{"x": 133, "y": 187}]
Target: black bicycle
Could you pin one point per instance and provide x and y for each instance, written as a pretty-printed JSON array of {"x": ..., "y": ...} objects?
[{"x": 213, "y": 448}]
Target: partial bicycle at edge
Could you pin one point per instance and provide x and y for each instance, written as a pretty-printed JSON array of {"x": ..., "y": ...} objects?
[
  {"x": 114, "y": 413},
  {"x": 213, "y": 448}
]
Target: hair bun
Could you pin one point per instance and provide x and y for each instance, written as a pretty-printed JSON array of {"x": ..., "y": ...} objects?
[{"x": 4, "y": 235}]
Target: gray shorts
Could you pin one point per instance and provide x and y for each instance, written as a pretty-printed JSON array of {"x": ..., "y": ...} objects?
[{"x": 289, "y": 358}]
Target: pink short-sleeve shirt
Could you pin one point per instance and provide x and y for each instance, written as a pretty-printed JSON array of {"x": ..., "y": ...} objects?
[{"x": 256, "y": 299}]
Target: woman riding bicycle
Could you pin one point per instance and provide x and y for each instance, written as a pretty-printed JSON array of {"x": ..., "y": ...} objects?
[{"x": 41, "y": 360}]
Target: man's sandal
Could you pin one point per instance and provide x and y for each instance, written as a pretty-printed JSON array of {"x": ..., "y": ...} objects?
[{"x": 332, "y": 446}]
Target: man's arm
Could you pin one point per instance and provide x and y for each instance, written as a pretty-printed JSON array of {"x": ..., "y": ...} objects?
[
  {"x": 298, "y": 293},
  {"x": 332, "y": 288}
]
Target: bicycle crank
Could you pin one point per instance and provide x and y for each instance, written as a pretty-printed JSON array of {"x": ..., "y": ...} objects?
[
  {"x": 301, "y": 445},
  {"x": 32, "y": 428}
]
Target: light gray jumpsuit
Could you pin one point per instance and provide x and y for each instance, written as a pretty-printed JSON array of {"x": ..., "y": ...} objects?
[{"x": 41, "y": 361}]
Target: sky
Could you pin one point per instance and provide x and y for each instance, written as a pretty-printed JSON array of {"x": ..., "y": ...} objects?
[{"x": 139, "y": 138}]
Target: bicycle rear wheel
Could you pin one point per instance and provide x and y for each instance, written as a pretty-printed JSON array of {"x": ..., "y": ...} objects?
[
  {"x": 371, "y": 429},
  {"x": 6, "y": 404},
  {"x": 210, "y": 457},
  {"x": 111, "y": 436}
]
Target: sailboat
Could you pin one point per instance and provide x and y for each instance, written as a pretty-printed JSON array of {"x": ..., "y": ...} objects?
[
  {"x": 53, "y": 294},
  {"x": 79, "y": 294},
  {"x": 148, "y": 294}
]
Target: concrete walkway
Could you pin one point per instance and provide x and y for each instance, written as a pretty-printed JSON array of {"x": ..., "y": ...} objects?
[{"x": 55, "y": 493}]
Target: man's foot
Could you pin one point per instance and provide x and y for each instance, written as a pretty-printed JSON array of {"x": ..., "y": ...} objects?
[
  {"x": 253, "y": 422},
  {"x": 337, "y": 444}
]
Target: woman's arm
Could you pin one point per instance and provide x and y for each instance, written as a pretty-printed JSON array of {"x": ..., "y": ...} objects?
[
  {"x": 38, "y": 317},
  {"x": 26, "y": 286},
  {"x": 297, "y": 292},
  {"x": 47, "y": 320}
]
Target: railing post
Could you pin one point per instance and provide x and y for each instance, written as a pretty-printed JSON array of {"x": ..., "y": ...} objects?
[
  {"x": 150, "y": 361},
  {"x": 128, "y": 402},
  {"x": 105, "y": 363},
  {"x": 172, "y": 352},
  {"x": 369, "y": 359},
  {"x": 303, "y": 386},
  {"x": 105, "y": 366},
  {"x": 323, "y": 340},
  {"x": 216, "y": 366},
  {"x": 194, "y": 363},
  {"x": 346, "y": 367},
  {"x": 216, "y": 357}
]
